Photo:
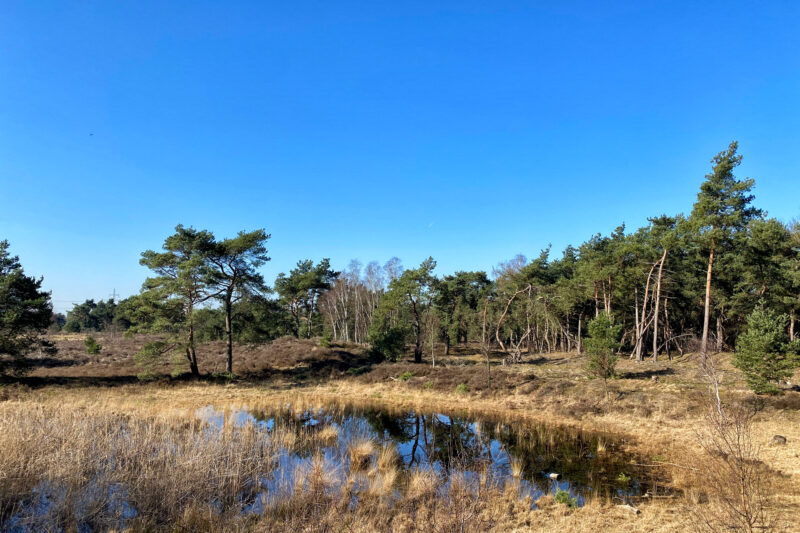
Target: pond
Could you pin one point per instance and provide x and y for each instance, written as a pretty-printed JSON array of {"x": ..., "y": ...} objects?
[
  {"x": 107, "y": 470},
  {"x": 540, "y": 459}
]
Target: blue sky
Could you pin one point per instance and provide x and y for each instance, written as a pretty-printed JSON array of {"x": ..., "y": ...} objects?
[{"x": 469, "y": 131}]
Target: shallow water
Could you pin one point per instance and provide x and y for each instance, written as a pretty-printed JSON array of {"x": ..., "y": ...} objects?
[
  {"x": 585, "y": 464},
  {"x": 293, "y": 443}
]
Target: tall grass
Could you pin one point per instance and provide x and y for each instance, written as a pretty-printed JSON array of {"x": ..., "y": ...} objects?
[
  {"x": 60, "y": 468},
  {"x": 67, "y": 469}
]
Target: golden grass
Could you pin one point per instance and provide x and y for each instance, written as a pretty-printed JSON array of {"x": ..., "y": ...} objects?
[
  {"x": 601, "y": 445},
  {"x": 516, "y": 468},
  {"x": 360, "y": 452},
  {"x": 387, "y": 458},
  {"x": 328, "y": 435},
  {"x": 658, "y": 419}
]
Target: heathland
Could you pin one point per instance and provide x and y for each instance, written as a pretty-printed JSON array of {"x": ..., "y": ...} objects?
[
  {"x": 85, "y": 443},
  {"x": 644, "y": 380}
]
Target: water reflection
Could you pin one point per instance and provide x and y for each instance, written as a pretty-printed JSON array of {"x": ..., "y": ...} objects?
[{"x": 540, "y": 458}]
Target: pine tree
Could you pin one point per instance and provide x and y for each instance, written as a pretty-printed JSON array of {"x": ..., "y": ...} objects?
[
  {"x": 169, "y": 299},
  {"x": 722, "y": 209},
  {"x": 232, "y": 268},
  {"x": 603, "y": 340},
  {"x": 764, "y": 352},
  {"x": 25, "y": 313},
  {"x": 410, "y": 296}
]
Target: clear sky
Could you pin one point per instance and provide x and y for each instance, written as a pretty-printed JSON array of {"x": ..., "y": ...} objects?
[{"x": 469, "y": 131}]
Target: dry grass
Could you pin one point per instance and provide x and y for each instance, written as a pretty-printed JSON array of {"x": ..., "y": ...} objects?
[
  {"x": 62, "y": 466},
  {"x": 360, "y": 452},
  {"x": 328, "y": 435},
  {"x": 658, "y": 418}
]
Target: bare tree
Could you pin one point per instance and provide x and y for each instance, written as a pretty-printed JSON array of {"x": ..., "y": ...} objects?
[{"x": 736, "y": 477}]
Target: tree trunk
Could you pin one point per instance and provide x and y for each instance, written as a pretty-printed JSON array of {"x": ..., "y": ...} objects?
[
  {"x": 417, "y": 333},
  {"x": 547, "y": 336},
  {"x": 192, "y": 363},
  {"x": 310, "y": 316},
  {"x": 417, "y": 353},
  {"x": 667, "y": 331},
  {"x": 707, "y": 305},
  {"x": 228, "y": 336},
  {"x": 296, "y": 315},
  {"x": 503, "y": 316},
  {"x": 485, "y": 345},
  {"x": 580, "y": 335},
  {"x": 720, "y": 341},
  {"x": 191, "y": 355},
  {"x": 433, "y": 347},
  {"x": 641, "y": 325},
  {"x": 658, "y": 302},
  {"x": 791, "y": 325}
]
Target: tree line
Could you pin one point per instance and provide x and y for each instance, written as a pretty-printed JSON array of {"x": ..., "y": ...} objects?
[{"x": 680, "y": 283}]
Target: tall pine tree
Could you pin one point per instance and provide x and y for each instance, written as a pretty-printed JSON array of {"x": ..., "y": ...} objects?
[{"x": 722, "y": 210}]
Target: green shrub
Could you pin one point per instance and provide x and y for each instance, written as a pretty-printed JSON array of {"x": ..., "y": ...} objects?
[
  {"x": 326, "y": 340},
  {"x": 92, "y": 346},
  {"x": 224, "y": 377},
  {"x": 148, "y": 357},
  {"x": 147, "y": 375},
  {"x": 622, "y": 478},
  {"x": 357, "y": 370},
  {"x": 178, "y": 364},
  {"x": 764, "y": 352},
  {"x": 603, "y": 339},
  {"x": 389, "y": 344},
  {"x": 564, "y": 498},
  {"x": 405, "y": 376},
  {"x": 462, "y": 389},
  {"x": 428, "y": 385}
]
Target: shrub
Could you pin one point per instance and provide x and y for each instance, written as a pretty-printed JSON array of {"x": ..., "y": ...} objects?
[
  {"x": 326, "y": 340},
  {"x": 389, "y": 344},
  {"x": 462, "y": 389},
  {"x": 357, "y": 370},
  {"x": 623, "y": 479},
  {"x": 564, "y": 498},
  {"x": 92, "y": 346},
  {"x": 223, "y": 377},
  {"x": 600, "y": 345},
  {"x": 148, "y": 357},
  {"x": 763, "y": 351},
  {"x": 405, "y": 376},
  {"x": 428, "y": 385},
  {"x": 147, "y": 375}
]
